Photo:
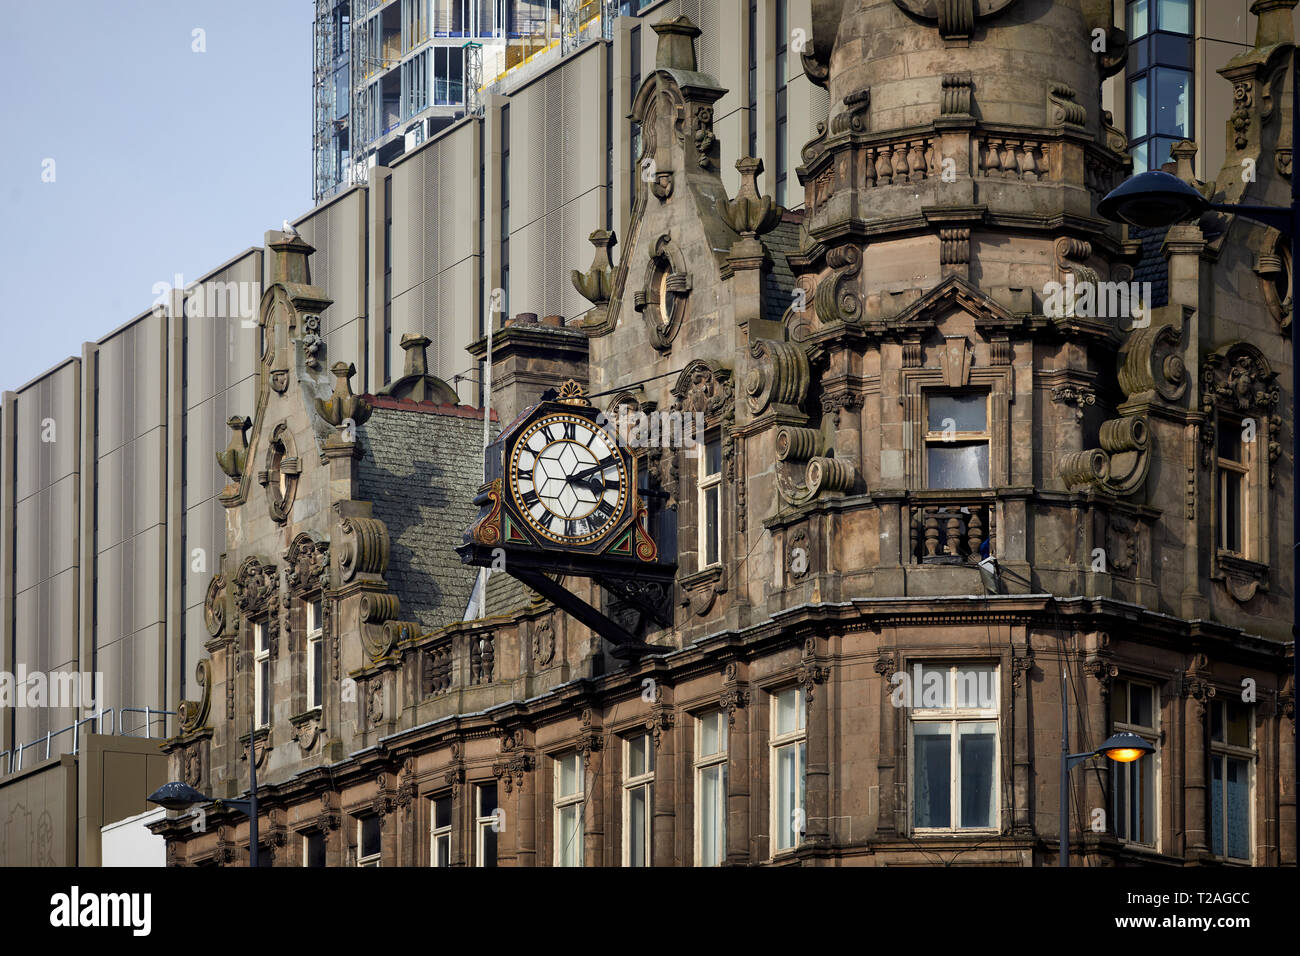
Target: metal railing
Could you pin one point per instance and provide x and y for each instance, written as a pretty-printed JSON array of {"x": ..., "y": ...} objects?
[{"x": 11, "y": 761}]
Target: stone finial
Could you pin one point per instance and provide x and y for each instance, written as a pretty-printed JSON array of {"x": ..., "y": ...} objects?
[
  {"x": 291, "y": 253},
  {"x": 596, "y": 285},
  {"x": 1183, "y": 154},
  {"x": 344, "y": 404},
  {"x": 235, "y": 457},
  {"x": 416, "y": 383},
  {"x": 1275, "y": 24},
  {"x": 415, "y": 346},
  {"x": 676, "y": 49},
  {"x": 749, "y": 213}
]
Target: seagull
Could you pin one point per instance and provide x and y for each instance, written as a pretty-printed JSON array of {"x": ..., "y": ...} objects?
[{"x": 289, "y": 230}]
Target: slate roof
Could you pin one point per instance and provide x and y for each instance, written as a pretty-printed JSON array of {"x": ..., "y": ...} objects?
[
  {"x": 421, "y": 471},
  {"x": 778, "y": 285},
  {"x": 1152, "y": 267}
]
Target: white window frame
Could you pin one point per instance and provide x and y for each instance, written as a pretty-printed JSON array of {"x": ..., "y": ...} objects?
[
  {"x": 706, "y": 483},
  {"x": 710, "y": 763},
  {"x": 1244, "y": 468},
  {"x": 1150, "y": 764},
  {"x": 642, "y": 781},
  {"x": 484, "y": 822},
  {"x": 564, "y": 802},
  {"x": 1222, "y": 751},
  {"x": 778, "y": 742},
  {"x": 439, "y": 834},
  {"x": 955, "y": 716},
  {"x": 261, "y": 688},
  {"x": 315, "y": 646},
  {"x": 374, "y": 858}
]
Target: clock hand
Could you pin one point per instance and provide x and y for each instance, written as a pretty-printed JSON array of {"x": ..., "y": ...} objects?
[{"x": 587, "y": 471}]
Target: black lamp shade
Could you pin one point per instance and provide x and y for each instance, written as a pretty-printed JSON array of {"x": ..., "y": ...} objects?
[
  {"x": 1125, "y": 747},
  {"x": 1151, "y": 200},
  {"x": 177, "y": 796}
]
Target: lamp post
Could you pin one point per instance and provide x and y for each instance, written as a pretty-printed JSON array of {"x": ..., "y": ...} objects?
[
  {"x": 1122, "y": 747},
  {"x": 1155, "y": 199},
  {"x": 181, "y": 796}
]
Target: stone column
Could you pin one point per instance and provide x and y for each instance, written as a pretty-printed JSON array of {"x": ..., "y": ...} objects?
[
  {"x": 817, "y": 769},
  {"x": 889, "y": 819},
  {"x": 1022, "y": 663},
  {"x": 1197, "y": 695},
  {"x": 1286, "y": 775},
  {"x": 735, "y": 701},
  {"x": 664, "y": 793}
]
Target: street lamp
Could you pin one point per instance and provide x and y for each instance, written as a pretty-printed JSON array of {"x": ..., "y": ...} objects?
[
  {"x": 1123, "y": 747},
  {"x": 181, "y": 796},
  {"x": 1156, "y": 199}
]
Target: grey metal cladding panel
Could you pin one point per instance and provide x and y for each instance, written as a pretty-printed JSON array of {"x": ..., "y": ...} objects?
[
  {"x": 45, "y": 623},
  {"x": 333, "y": 231},
  {"x": 407, "y": 316},
  {"x": 526, "y": 268},
  {"x": 45, "y": 530},
  {"x": 458, "y": 214},
  {"x": 582, "y": 148},
  {"x": 46, "y": 431},
  {"x": 408, "y": 184},
  {"x": 343, "y": 342},
  {"x": 205, "y": 529},
  {"x": 130, "y": 489},
  {"x": 457, "y": 323},
  {"x": 579, "y": 217},
  {"x": 131, "y": 669},
  {"x": 130, "y": 396},
  {"x": 205, "y": 435},
  {"x": 219, "y": 352},
  {"x": 527, "y": 164},
  {"x": 129, "y": 584}
]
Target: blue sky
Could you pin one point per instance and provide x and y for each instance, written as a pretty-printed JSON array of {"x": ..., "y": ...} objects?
[{"x": 166, "y": 160}]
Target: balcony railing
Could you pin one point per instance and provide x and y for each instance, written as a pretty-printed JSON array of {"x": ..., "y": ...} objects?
[{"x": 952, "y": 532}]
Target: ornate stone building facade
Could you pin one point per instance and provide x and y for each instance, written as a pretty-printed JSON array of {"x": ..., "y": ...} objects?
[{"x": 888, "y": 396}]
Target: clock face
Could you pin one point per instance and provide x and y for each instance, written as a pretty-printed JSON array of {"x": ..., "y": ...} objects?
[{"x": 568, "y": 480}]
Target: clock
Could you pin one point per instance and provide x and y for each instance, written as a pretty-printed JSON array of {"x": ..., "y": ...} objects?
[{"x": 568, "y": 479}]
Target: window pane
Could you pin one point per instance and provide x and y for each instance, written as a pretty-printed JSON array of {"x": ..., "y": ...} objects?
[
  {"x": 958, "y": 465},
  {"x": 1137, "y": 19},
  {"x": 1140, "y": 705},
  {"x": 976, "y": 745},
  {"x": 637, "y": 815},
  {"x": 1173, "y": 91},
  {"x": 264, "y": 691},
  {"x": 489, "y": 836},
  {"x": 315, "y": 849},
  {"x": 1238, "y": 810},
  {"x": 1173, "y": 51},
  {"x": 786, "y": 824},
  {"x": 976, "y": 687},
  {"x": 487, "y": 800},
  {"x": 934, "y": 690},
  {"x": 1216, "y": 720},
  {"x": 789, "y": 711},
  {"x": 317, "y": 672},
  {"x": 442, "y": 851},
  {"x": 313, "y": 616},
  {"x": 1238, "y": 725},
  {"x": 1139, "y": 154},
  {"x": 1119, "y": 702},
  {"x": 636, "y": 756},
  {"x": 932, "y": 774},
  {"x": 713, "y": 734},
  {"x": 442, "y": 812},
  {"x": 1144, "y": 817},
  {"x": 570, "y": 771},
  {"x": 963, "y": 413},
  {"x": 711, "y": 496},
  {"x": 1230, "y": 510},
  {"x": 570, "y": 835},
  {"x": 1137, "y": 108},
  {"x": 369, "y": 836},
  {"x": 712, "y": 457},
  {"x": 1176, "y": 16},
  {"x": 1229, "y": 436},
  {"x": 712, "y": 798}
]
